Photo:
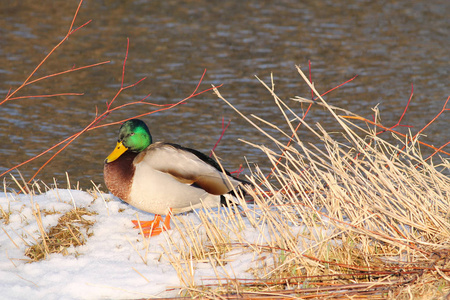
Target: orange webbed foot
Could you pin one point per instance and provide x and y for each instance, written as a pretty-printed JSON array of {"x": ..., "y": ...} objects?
[{"x": 152, "y": 228}]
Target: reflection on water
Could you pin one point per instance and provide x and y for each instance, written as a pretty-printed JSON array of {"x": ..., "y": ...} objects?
[{"x": 389, "y": 44}]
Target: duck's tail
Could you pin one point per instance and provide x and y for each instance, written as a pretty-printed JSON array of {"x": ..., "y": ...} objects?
[{"x": 238, "y": 191}]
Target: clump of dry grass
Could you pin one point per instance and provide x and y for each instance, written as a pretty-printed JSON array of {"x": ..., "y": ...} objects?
[
  {"x": 68, "y": 232},
  {"x": 4, "y": 215},
  {"x": 353, "y": 217},
  {"x": 72, "y": 228}
]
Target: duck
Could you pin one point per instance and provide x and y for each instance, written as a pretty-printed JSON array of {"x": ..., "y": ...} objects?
[{"x": 165, "y": 178}]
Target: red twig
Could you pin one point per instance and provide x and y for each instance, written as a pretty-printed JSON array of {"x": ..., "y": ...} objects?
[
  {"x": 109, "y": 109},
  {"x": 124, "y": 65},
  {"x": 438, "y": 150},
  {"x": 410, "y": 139},
  {"x": 238, "y": 171},
  {"x": 69, "y": 33},
  {"x": 403, "y": 114},
  {"x": 68, "y": 71},
  {"x": 406, "y": 107},
  {"x": 224, "y": 128},
  {"x": 338, "y": 86},
  {"x": 306, "y": 113},
  {"x": 310, "y": 80},
  {"x": 72, "y": 138},
  {"x": 47, "y": 96},
  {"x": 394, "y": 131},
  {"x": 435, "y": 118},
  {"x": 425, "y": 127},
  {"x": 98, "y": 118},
  {"x": 398, "y": 122}
]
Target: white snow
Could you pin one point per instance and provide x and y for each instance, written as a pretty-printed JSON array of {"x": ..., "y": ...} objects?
[{"x": 107, "y": 266}]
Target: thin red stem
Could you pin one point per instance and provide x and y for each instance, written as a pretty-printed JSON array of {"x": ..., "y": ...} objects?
[
  {"x": 304, "y": 116},
  {"x": 68, "y": 71},
  {"x": 47, "y": 96},
  {"x": 224, "y": 128},
  {"x": 70, "y": 32}
]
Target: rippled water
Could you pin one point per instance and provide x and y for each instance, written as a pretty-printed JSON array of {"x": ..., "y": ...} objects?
[{"x": 388, "y": 44}]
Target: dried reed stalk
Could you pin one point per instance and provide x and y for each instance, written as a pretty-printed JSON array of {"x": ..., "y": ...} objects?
[{"x": 353, "y": 217}]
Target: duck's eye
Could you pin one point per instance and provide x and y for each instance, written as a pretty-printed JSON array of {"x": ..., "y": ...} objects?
[{"x": 132, "y": 134}]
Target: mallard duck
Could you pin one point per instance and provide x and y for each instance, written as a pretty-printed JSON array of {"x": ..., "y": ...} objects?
[{"x": 164, "y": 178}]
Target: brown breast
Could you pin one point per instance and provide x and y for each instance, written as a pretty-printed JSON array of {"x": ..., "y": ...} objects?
[{"x": 119, "y": 174}]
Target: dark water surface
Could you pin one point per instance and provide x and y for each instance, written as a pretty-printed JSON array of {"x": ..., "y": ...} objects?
[{"x": 389, "y": 44}]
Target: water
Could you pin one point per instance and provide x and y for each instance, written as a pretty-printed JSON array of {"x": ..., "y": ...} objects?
[{"x": 388, "y": 44}]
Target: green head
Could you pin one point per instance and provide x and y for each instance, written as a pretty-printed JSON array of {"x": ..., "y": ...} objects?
[{"x": 134, "y": 136}]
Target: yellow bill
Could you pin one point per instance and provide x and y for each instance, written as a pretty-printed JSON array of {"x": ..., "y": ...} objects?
[{"x": 117, "y": 152}]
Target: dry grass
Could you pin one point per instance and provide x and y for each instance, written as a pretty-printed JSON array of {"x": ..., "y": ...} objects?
[
  {"x": 72, "y": 228},
  {"x": 67, "y": 233},
  {"x": 354, "y": 218},
  {"x": 357, "y": 217}
]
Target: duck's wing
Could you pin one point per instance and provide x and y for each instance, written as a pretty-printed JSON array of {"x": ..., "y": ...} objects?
[{"x": 188, "y": 166}]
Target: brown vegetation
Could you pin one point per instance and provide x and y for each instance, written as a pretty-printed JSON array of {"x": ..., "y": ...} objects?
[
  {"x": 67, "y": 233},
  {"x": 357, "y": 217}
]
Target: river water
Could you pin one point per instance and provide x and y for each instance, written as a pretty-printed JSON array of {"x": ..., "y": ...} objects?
[{"x": 388, "y": 44}]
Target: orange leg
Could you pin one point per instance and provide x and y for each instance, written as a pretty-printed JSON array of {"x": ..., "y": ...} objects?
[{"x": 152, "y": 228}]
